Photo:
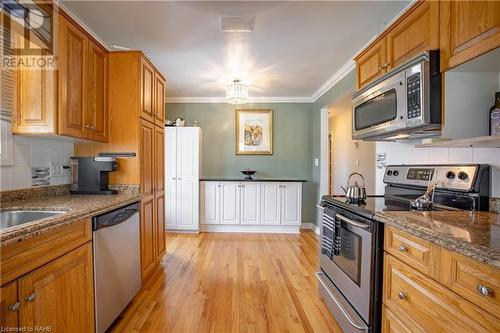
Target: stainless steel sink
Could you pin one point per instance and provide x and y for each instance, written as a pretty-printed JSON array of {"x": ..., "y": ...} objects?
[{"x": 11, "y": 218}]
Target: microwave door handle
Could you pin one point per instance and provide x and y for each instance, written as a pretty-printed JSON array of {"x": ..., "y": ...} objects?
[
  {"x": 319, "y": 275},
  {"x": 354, "y": 223}
]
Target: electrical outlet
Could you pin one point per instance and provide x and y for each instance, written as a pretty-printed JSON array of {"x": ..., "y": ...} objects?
[{"x": 316, "y": 162}]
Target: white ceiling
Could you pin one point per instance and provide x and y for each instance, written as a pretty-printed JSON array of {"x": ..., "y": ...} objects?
[{"x": 295, "y": 48}]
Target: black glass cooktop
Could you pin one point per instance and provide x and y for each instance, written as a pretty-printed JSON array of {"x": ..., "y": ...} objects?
[{"x": 374, "y": 204}]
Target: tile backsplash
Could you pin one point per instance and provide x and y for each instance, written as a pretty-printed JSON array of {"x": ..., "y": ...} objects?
[
  {"x": 406, "y": 153},
  {"x": 33, "y": 153}
]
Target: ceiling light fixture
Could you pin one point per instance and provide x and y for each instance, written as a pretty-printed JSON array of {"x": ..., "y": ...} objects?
[{"x": 236, "y": 92}]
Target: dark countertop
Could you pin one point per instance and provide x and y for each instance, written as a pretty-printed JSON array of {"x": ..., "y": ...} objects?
[
  {"x": 475, "y": 235},
  {"x": 277, "y": 180},
  {"x": 76, "y": 207}
]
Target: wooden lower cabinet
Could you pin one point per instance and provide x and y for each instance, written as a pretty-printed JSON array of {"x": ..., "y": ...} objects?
[
  {"x": 409, "y": 293},
  {"x": 57, "y": 297},
  {"x": 9, "y": 307},
  {"x": 160, "y": 223},
  {"x": 392, "y": 324},
  {"x": 148, "y": 237}
]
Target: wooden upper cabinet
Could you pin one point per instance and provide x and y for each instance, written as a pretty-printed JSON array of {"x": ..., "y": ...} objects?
[
  {"x": 96, "y": 112},
  {"x": 72, "y": 79},
  {"x": 159, "y": 101},
  {"x": 60, "y": 294},
  {"x": 415, "y": 33},
  {"x": 371, "y": 63},
  {"x": 147, "y": 110},
  {"x": 9, "y": 307},
  {"x": 147, "y": 156},
  {"x": 468, "y": 29},
  {"x": 35, "y": 102}
]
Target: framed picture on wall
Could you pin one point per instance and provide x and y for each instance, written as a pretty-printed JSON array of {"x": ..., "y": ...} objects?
[{"x": 254, "y": 132}]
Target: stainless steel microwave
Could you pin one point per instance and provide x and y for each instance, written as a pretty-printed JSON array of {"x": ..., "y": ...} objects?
[{"x": 403, "y": 104}]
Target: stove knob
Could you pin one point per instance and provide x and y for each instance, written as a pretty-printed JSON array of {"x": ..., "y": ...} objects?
[
  {"x": 450, "y": 175},
  {"x": 462, "y": 175},
  {"x": 389, "y": 172},
  {"x": 395, "y": 172}
]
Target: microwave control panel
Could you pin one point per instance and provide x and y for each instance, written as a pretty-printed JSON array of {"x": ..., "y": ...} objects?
[{"x": 413, "y": 96}]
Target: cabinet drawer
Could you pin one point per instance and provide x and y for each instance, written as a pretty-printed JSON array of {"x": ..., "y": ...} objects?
[
  {"x": 394, "y": 324},
  {"x": 412, "y": 250},
  {"x": 432, "y": 306},
  {"x": 472, "y": 280},
  {"x": 20, "y": 258}
]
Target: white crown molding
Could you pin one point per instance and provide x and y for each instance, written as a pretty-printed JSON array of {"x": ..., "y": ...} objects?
[
  {"x": 83, "y": 25},
  {"x": 250, "y": 100},
  {"x": 339, "y": 75}
]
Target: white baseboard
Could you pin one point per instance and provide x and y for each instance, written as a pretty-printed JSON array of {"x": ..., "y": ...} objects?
[
  {"x": 310, "y": 226},
  {"x": 275, "y": 229}
]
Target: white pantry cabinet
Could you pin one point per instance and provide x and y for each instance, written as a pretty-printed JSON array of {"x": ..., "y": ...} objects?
[
  {"x": 251, "y": 206},
  {"x": 182, "y": 174}
]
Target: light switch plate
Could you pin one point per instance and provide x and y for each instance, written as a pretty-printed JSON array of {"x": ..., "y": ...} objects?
[{"x": 316, "y": 162}]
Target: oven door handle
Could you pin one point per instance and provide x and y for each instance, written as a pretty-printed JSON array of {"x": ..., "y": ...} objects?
[
  {"x": 320, "y": 207},
  {"x": 344, "y": 312},
  {"x": 354, "y": 223}
]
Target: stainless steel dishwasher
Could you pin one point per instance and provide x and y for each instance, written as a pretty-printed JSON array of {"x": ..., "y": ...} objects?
[{"x": 117, "y": 263}]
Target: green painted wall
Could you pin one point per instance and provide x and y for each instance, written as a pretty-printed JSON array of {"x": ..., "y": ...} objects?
[{"x": 292, "y": 143}]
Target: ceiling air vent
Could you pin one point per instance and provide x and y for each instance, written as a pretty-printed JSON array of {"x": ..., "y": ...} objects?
[{"x": 237, "y": 23}]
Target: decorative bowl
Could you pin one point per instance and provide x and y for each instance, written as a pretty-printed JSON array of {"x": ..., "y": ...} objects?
[{"x": 248, "y": 173}]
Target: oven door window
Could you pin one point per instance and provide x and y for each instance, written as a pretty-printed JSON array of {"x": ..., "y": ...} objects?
[
  {"x": 376, "y": 111},
  {"x": 348, "y": 255}
]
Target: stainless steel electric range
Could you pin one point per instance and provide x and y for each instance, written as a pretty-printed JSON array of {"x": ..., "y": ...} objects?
[{"x": 351, "y": 249}]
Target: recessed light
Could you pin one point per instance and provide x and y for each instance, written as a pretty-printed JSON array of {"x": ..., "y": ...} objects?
[{"x": 237, "y": 23}]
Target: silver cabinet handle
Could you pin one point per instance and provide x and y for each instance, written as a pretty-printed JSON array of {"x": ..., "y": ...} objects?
[
  {"x": 403, "y": 248},
  {"x": 354, "y": 223},
  {"x": 402, "y": 295},
  {"x": 14, "y": 307},
  {"x": 484, "y": 290},
  {"x": 31, "y": 297},
  {"x": 242, "y": 185}
]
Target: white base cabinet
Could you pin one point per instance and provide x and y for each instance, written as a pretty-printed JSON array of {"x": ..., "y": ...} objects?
[{"x": 250, "y": 206}]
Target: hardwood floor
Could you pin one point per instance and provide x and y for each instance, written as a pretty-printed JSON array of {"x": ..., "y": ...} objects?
[{"x": 214, "y": 282}]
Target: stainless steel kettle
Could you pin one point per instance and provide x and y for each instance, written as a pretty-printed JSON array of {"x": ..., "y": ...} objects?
[{"x": 355, "y": 193}]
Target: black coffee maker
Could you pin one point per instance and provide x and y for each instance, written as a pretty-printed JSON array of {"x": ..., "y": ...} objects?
[{"x": 90, "y": 174}]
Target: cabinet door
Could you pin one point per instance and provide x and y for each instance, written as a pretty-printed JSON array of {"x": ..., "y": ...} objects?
[
  {"x": 467, "y": 29},
  {"x": 96, "y": 111},
  {"x": 60, "y": 295},
  {"x": 270, "y": 203},
  {"x": 371, "y": 64},
  {"x": 230, "y": 203},
  {"x": 9, "y": 307},
  {"x": 187, "y": 210},
  {"x": 72, "y": 82},
  {"x": 170, "y": 153},
  {"x": 250, "y": 203},
  {"x": 188, "y": 153},
  {"x": 35, "y": 102},
  {"x": 417, "y": 32},
  {"x": 159, "y": 101},
  {"x": 160, "y": 223},
  {"x": 210, "y": 202},
  {"x": 291, "y": 203},
  {"x": 170, "y": 204},
  {"x": 147, "y": 156},
  {"x": 147, "y": 91},
  {"x": 148, "y": 237},
  {"x": 159, "y": 158}
]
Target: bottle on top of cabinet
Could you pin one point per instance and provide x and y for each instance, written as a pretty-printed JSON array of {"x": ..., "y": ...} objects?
[{"x": 495, "y": 116}]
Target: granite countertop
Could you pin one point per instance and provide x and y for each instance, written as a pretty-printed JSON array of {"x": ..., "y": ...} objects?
[
  {"x": 278, "y": 180},
  {"x": 76, "y": 207},
  {"x": 475, "y": 235}
]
